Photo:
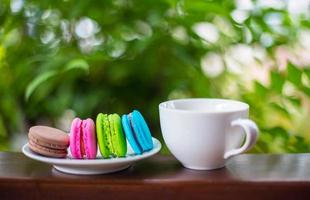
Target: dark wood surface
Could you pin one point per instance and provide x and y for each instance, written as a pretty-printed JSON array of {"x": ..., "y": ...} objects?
[{"x": 247, "y": 176}]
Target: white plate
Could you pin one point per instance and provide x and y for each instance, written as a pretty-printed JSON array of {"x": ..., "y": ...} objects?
[{"x": 96, "y": 166}]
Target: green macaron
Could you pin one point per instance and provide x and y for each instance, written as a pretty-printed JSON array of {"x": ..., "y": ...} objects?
[
  {"x": 110, "y": 136},
  {"x": 104, "y": 135},
  {"x": 118, "y": 138}
]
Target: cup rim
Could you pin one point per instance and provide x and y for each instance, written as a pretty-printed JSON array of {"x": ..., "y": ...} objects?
[{"x": 244, "y": 106}]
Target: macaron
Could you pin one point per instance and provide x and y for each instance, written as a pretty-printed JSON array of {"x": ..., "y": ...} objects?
[
  {"x": 48, "y": 141},
  {"x": 83, "y": 142},
  {"x": 137, "y": 132},
  {"x": 110, "y": 136}
]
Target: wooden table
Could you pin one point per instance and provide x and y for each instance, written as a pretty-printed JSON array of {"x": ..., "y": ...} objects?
[{"x": 248, "y": 176}]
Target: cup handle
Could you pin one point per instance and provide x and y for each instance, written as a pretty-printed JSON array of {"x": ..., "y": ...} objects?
[{"x": 251, "y": 134}]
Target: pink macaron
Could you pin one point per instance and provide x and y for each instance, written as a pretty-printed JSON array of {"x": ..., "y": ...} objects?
[{"x": 83, "y": 143}]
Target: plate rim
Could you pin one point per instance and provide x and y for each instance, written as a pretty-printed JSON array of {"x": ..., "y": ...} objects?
[{"x": 68, "y": 161}]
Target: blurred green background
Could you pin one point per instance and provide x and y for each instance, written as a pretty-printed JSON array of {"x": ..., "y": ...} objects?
[{"x": 60, "y": 59}]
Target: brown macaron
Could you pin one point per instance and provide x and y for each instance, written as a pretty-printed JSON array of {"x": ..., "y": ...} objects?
[{"x": 48, "y": 141}]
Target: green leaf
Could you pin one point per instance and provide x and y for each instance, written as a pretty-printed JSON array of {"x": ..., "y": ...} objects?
[
  {"x": 294, "y": 100},
  {"x": 281, "y": 109},
  {"x": 77, "y": 64},
  {"x": 306, "y": 90},
  {"x": 279, "y": 132},
  {"x": 36, "y": 82},
  {"x": 307, "y": 72},
  {"x": 3, "y": 132},
  {"x": 277, "y": 81},
  {"x": 294, "y": 74},
  {"x": 72, "y": 65},
  {"x": 260, "y": 89},
  {"x": 201, "y": 6}
]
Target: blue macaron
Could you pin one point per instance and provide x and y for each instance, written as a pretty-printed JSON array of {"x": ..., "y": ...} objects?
[
  {"x": 137, "y": 132},
  {"x": 130, "y": 135}
]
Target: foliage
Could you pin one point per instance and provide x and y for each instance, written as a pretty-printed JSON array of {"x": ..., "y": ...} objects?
[{"x": 114, "y": 56}]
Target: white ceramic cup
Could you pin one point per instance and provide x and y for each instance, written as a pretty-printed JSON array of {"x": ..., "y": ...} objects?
[{"x": 203, "y": 133}]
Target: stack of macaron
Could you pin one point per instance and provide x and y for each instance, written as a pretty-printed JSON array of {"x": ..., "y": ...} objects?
[{"x": 110, "y": 133}]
